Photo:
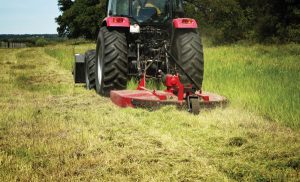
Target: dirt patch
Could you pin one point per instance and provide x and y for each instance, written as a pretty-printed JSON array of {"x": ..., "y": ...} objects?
[
  {"x": 8, "y": 62},
  {"x": 23, "y": 67},
  {"x": 294, "y": 163},
  {"x": 237, "y": 141}
]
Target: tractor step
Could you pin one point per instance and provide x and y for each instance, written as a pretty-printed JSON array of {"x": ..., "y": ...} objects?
[{"x": 154, "y": 99}]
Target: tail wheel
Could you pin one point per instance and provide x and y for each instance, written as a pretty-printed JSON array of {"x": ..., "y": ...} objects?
[
  {"x": 194, "y": 105},
  {"x": 111, "y": 61},
  {"x": 188, "y": 50},
  {"x": 90, "y": 63}
]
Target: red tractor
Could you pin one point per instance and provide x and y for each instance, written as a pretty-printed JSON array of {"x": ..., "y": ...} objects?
[{"x": 146, "y": 39}]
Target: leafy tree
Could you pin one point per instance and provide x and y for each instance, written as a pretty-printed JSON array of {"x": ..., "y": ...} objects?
[
  {"x": 41, "y": 42},
  {"x": 80, "y": 18},
  {"x": 64, "y": 4},
  {"x": 257, "y": 20},
  {"x": 224, "y": 21}
]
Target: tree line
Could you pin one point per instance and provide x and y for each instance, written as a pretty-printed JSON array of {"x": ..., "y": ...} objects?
[
  {"x": 30, "y": 39},
  {"x": 223, "y": 21}
]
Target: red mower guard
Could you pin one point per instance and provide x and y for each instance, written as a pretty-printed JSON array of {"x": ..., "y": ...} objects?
[{"x": 175, "y": 94}]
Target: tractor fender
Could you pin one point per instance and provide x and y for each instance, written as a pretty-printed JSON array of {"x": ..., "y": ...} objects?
[
  {"x": 185, "y": 23},
  {"x": 114, "y": 21}
]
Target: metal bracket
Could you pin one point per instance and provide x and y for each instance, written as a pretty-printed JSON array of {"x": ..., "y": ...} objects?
[{"x": 193, "y": 103}]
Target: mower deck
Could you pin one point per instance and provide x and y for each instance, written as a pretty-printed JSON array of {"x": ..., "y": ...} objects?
[{"x": 155, "y": 99}]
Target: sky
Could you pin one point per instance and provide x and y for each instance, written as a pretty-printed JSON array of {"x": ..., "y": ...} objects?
[{"x": 28, "y": 16}]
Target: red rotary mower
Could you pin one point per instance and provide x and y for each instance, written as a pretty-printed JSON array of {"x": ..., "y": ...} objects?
[{"x": 147, "y": 40}]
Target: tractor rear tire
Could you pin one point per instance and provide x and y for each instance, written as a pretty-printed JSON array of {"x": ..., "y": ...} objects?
[
  {"x": 90, "y": 64},
  {"x": 111, "y": 61},
  {"x": 188, "y": 50}
]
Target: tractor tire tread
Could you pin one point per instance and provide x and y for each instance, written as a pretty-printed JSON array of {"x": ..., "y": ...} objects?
[
  {"x": 188, "y": 50},
  {"x": 115, "y": 61},
  {"x": 90, "y": 61}
]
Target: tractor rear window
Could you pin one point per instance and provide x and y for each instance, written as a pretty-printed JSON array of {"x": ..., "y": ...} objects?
[
  {"x": 150, "y": 10},
  {"x": 118, "y": 7}
]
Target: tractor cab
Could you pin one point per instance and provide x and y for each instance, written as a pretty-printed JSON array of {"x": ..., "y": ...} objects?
[{"x": 146, "y": 11}]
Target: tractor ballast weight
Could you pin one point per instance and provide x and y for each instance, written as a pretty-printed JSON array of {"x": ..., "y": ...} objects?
[
  {"x": 148, "y": 39},
  {"x": 78, "y": 71}
]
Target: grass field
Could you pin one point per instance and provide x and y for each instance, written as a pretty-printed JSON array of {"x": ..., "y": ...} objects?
[{"x": 54, "y": 131}]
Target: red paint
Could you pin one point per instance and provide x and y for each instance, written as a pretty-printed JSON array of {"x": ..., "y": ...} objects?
[
  {"x": 125, "y": 98},
  {"x": 185, "y": 23},
  {"x": 161, "y": 96},
  {"x": 173, "y": 85},
  {"x": 122, "y": 100},
  {"x": 142, "y": 84},
  {"x": 204, "y": 97},
  {"x": 117, "y": 22}
]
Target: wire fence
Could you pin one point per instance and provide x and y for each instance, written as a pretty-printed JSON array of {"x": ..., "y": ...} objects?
[{"x": 12, "y": 45}]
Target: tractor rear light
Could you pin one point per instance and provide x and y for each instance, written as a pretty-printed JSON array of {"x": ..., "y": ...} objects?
[
  {"x": 118, "y": 20},
  {"x": 187, "y": 21}
]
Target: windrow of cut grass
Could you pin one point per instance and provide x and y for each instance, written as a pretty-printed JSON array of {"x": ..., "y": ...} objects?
[{"x": 53, "y": 130}]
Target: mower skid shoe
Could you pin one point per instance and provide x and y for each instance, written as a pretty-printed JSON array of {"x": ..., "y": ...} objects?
[{"x": 193, "y": 103}]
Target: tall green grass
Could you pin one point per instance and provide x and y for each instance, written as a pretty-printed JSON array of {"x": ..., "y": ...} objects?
[
  {"x": 263, "y": 79},
  {"x": 65, "y": 53}
]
